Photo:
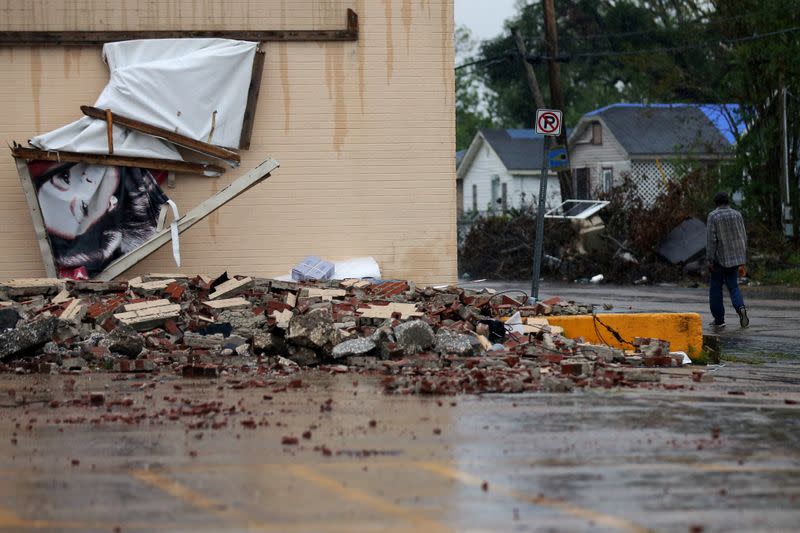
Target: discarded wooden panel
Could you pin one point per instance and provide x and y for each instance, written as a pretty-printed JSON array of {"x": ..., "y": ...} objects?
[
  {"x": 175, "y": 165},
  {"x": 362, "y": 284},
  {"x": 230, "y": 303},
  {"x": 145, "y": 305},
  {"x": 229, "y": 156},
  {"x": 237, "y": 187},
  {"x": 252, "y": 100},
  {"x": 83, "y": 38},
  {"x": 36, "y": 217},
  {"x": 349, "y": 283},
  {"x": 231, "y": 287},
  {"x": 386, "y": 311}
]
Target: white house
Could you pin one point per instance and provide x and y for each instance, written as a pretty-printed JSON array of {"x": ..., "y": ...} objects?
[
  {"x": 501, "y": 170},
  {"x": 652, "y": 143}
]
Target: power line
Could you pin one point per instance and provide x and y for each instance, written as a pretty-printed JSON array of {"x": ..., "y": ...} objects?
[
  {"x": 707, "y": 23},
  {"x": 612, "y": 53}
]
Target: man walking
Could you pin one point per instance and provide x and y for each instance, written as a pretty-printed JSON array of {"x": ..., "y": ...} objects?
[{"x": 726, "y": 253}]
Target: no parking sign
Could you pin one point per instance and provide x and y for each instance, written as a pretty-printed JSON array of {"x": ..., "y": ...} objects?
[{"x": 548, "y": 122}]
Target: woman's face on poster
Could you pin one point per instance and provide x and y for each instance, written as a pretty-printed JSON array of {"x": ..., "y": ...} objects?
[{"x": 75, "y": 198}]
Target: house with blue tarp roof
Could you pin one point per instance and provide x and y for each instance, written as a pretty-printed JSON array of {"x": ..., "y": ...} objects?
[{"x": 651, "y": 143}]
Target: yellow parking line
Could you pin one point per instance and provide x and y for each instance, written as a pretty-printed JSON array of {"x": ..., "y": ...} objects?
[
  {"x": 199, "y": 501},
  {"x": 413, "y": 516},
  {"x": 565, "y": 507}
]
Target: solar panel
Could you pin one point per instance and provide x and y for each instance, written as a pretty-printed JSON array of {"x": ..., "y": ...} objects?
[{"x": 576, "y": 209}]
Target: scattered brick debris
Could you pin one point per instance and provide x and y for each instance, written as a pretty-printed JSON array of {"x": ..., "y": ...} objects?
[{"x": 257, "y": 333}]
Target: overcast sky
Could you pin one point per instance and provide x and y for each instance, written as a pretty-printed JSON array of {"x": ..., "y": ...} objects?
[{"x": 484, "y": 17}]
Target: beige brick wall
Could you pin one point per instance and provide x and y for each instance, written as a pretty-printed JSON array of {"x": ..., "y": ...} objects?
[{"x": 364, "y": 132}]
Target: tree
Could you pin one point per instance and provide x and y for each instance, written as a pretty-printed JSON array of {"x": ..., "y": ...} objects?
[{"x": 472, "y": 107}]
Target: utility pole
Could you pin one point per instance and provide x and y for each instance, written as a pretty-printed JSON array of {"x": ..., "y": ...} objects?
[
  {"x": 787, "y": 218},
  {"x": 533, "y": 83},
  {"x": 556, "y": 90}
]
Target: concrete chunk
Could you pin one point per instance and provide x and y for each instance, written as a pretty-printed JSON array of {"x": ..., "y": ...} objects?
[{"x": 231, "y": 288}]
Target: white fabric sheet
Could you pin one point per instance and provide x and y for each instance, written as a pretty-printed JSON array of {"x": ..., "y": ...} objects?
[{"x": 195, "y": 87}]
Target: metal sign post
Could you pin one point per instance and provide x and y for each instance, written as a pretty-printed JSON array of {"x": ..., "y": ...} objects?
[{"x": 548, "y": 124}]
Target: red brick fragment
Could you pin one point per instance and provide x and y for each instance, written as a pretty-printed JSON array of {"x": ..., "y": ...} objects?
[
  {"x": 175, "y": 291},
  {"x": 306, "y": 435},
  {"x": 290, "y": 441}
]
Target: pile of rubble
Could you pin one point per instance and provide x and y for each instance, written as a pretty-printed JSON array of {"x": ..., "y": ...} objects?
[{"x": 421, "y": 340}]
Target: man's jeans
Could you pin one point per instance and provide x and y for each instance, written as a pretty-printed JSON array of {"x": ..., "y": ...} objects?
[{"x": 730, "y": 277}]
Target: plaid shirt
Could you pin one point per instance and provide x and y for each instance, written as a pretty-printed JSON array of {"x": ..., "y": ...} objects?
[{"x": 726, "y": 238}]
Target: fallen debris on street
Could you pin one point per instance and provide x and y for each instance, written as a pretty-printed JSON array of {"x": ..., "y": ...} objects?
[{"x": 252, "y": 332}]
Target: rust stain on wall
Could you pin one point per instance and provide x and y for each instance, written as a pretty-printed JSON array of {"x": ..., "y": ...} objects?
[
  {"x": 389, "y": 40},
  {"x": 213, "y": 218},
  {"x": 361, "y": 56},
  {"x": 406, "y": 12},
  {"x": 447, "y": 45},
  {"x": 36, "y": 88},
  {"x": 283, "y": 51},
  {"x": 425, "y": 4},
  {"x": 334, "y": 66}
]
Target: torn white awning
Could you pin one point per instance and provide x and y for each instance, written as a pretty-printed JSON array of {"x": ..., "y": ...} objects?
[{"x": 195, "y": 87}]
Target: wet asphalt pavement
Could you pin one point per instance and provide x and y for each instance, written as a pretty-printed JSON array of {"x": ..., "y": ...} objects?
[
  {"x": 336, "y": 453},
  {"x": 719, "y": 456}
]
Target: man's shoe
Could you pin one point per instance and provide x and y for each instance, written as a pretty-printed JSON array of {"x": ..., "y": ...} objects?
[
  {"x": 743, "y": 320},
  {"x": 716, "y": 326}
]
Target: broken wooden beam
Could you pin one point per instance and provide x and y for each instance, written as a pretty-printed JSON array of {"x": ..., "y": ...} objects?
[
  {"x": 34, "y": 154},
  {"x": 237, "y": 187},
  {"x": 229, "y": 156},
  {"x": 253, "y": 91},
  {"x": 83, "y": 38},
  {"x": 29, "y": 189}
]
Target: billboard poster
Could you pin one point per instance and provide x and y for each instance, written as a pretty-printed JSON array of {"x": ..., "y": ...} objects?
[{"x": 94, "y": 214}]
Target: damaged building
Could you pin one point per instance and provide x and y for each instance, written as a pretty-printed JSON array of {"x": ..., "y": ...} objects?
[{"x": 354, "y": 170}]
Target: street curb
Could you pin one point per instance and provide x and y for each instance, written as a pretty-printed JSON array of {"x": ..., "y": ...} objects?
[
  {"x": 770, "y": 292},
  {"x": 684, "y": 331}
]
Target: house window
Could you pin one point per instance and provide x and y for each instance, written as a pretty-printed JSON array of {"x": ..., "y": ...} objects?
[
  {"x": 597, "y": 133},
  {"x": 505, "y": 197},
  {"x": 608, "y": 179},
  {"x": 581, "y": 182},
  {"x": 474, "y": 197},
  {"x": 494, "y": 199}
]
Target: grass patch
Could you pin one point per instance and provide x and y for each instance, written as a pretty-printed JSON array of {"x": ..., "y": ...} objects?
[
  {"x": 788, "y": 277},
  {"x": 759, "y": 358}
]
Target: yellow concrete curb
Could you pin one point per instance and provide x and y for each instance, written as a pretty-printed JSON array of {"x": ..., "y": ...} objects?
[{"x": 684, "y": 331}]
